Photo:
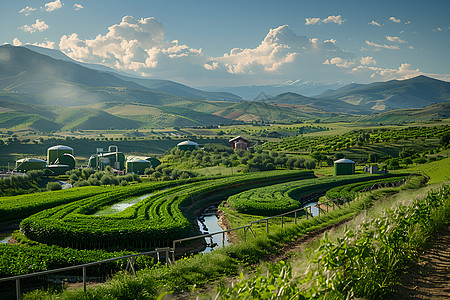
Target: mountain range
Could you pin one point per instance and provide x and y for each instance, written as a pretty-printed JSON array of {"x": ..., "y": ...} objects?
[{"x": 43, "y": 89}]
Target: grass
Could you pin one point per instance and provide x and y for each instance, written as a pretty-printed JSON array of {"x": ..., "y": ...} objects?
[{"x": 438, "y": 171}]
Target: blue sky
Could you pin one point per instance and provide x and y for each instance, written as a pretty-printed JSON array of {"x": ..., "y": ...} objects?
[{"x": 242, "y": 42}]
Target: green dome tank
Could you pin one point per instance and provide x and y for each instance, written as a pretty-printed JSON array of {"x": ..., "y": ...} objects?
[
  {"x": 344, "y": 166},
  {"x": 55, "y": 152},
  {"x": 27, "y": 164},
  {"x": 137, "y": 166}
]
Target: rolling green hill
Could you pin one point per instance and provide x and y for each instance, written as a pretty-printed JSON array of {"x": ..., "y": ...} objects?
[
  {"x": 416, "y": 92},
  {"x": 329, "y": 105},
  {"x": 432, "y": 112},
  {"x": 19, "y": 120}
]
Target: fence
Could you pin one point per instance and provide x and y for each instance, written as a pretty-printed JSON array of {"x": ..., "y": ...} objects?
[{"x": 130, "y": 265}]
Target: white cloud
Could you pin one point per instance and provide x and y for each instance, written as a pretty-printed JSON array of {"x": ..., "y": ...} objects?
[
  {"x": 395, "y": 20},
  {"x": 27, "y": 10},
  {"x": 368, "y": 60},
  {"x": 395, "y": 39},
  {"x": 339, "y": 62},
  {"x": 17, "y": 42},
  {"x": 51, "y": 6},
  {"x": 312, "y": 21},
  {"x": 380, "y": 46},
  {"x": 39, "y": 25},
  {"x": 77, "y": 6},
  {"x": 330, "y": 19},
  {"x": 374, "y": 23},
  {"x": 280, "y": 51},
  {"x": 46, "y": 44},
  {"x": 135, "y": 45},
  {"x": 408, "y": 22}
]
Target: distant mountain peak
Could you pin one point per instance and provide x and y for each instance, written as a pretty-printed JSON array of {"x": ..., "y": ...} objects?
[{"x": 262, "y": 96}]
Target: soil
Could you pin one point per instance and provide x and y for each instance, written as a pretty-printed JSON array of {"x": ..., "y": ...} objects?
[
  {"x": 429, "y": 278},
  {"x": 297, "y": 245}
]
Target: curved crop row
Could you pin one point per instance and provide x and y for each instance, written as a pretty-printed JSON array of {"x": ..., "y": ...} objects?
[
  {"x": 342, "y": 191},
  {"x": 280, "y": 198},
  {"x": 155, "y": 221},
  {"x": 35, "y": 257},
  {"x": 22, "y": 206}
]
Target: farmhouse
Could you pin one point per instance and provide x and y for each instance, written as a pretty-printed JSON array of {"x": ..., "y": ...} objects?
[{"x": 239, "y": 143}]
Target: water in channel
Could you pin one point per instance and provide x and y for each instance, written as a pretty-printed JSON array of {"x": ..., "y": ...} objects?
[
  {"x": 4, "y": 237},
  {"x": 208, "y": 223},
  {"x": 117, "y": 207}
]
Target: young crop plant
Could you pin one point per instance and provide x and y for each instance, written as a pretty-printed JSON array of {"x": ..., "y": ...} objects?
[
  {"x": 153, "y": 222},
  {"x": 280, "y": 198}
]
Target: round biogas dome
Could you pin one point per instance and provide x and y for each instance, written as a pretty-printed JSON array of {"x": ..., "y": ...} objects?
[
  {"x": 187, "y": 145},
  {"x": 344, "y": 166},
  {"x": 55, "y": 152},
  {"x": 137, "y": 166},
  {"x": 27, "y": 164}
]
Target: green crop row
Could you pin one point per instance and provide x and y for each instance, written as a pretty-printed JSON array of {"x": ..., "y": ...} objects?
[
  {"x": 19, "y": 207},
  {"x": 280, "y": 198},
  {"x": 153, "y": 222},
  {"x": 357, "y": 137},
  {"x": 348, "y": 189},
  {"x": 24, "y": 259}
]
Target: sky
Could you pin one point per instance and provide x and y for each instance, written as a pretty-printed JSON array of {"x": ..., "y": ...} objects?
[{"x": 246, "y": 42}]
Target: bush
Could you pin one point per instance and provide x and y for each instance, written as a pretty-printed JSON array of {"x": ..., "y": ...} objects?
[
  {"x": 81, "y": 183},
  {"x": 53, "y": 186}
]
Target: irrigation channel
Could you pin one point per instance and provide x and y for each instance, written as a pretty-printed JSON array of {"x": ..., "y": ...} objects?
[
  {"x": 4, "y": 237},
  {"x": 208, "y": 223},
  {"x": 120, "y": 206}
]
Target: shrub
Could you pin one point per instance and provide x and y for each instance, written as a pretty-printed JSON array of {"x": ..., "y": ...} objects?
[{"x": 53, "y": 186}]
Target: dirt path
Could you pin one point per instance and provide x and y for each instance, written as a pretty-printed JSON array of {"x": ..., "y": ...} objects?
[{"x": 430, "y": 277}]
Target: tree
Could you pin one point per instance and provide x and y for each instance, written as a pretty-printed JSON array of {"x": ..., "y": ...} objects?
[
  {"x": 445, "y": 139},
  {"x": 319, "y": 157},
  {"x": 54, "y": 186},
  {"x": 407, "y": 161}
]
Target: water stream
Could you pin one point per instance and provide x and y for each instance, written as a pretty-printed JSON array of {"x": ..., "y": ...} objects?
[
  {"x": 120, "y": 206},
  {"x": 4, "y": 236},
  {"x": 208, "y": 223}
]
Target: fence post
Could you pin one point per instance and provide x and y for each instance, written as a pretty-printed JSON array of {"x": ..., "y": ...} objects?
[
  {"x": 306, "y": 211},
  {"x": 173, "y": 251},
  {"x": 327, "y": 206},
  {"x": 18, "y": 288},
  {"x": 167, "y": 256},
  {"x": 295, "y": 218},
  {"x": 267, "y": 225},
  {"x": 282, "y": 218},
  {"x": 84, "y": 279},
  {"x": 223, "y": 239}
]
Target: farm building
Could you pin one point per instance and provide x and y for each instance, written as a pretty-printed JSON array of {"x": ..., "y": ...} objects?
[
  {"x": 137, "y": 166},
  {"x": 239, "y": 143},
  {"x": 112, "y": 158},
  {"x": 27, "y": 164},
  {"x": 55, "y": 152},
  {"x": 344, "y": 166},
  {"x": 187, "y": 145}
]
